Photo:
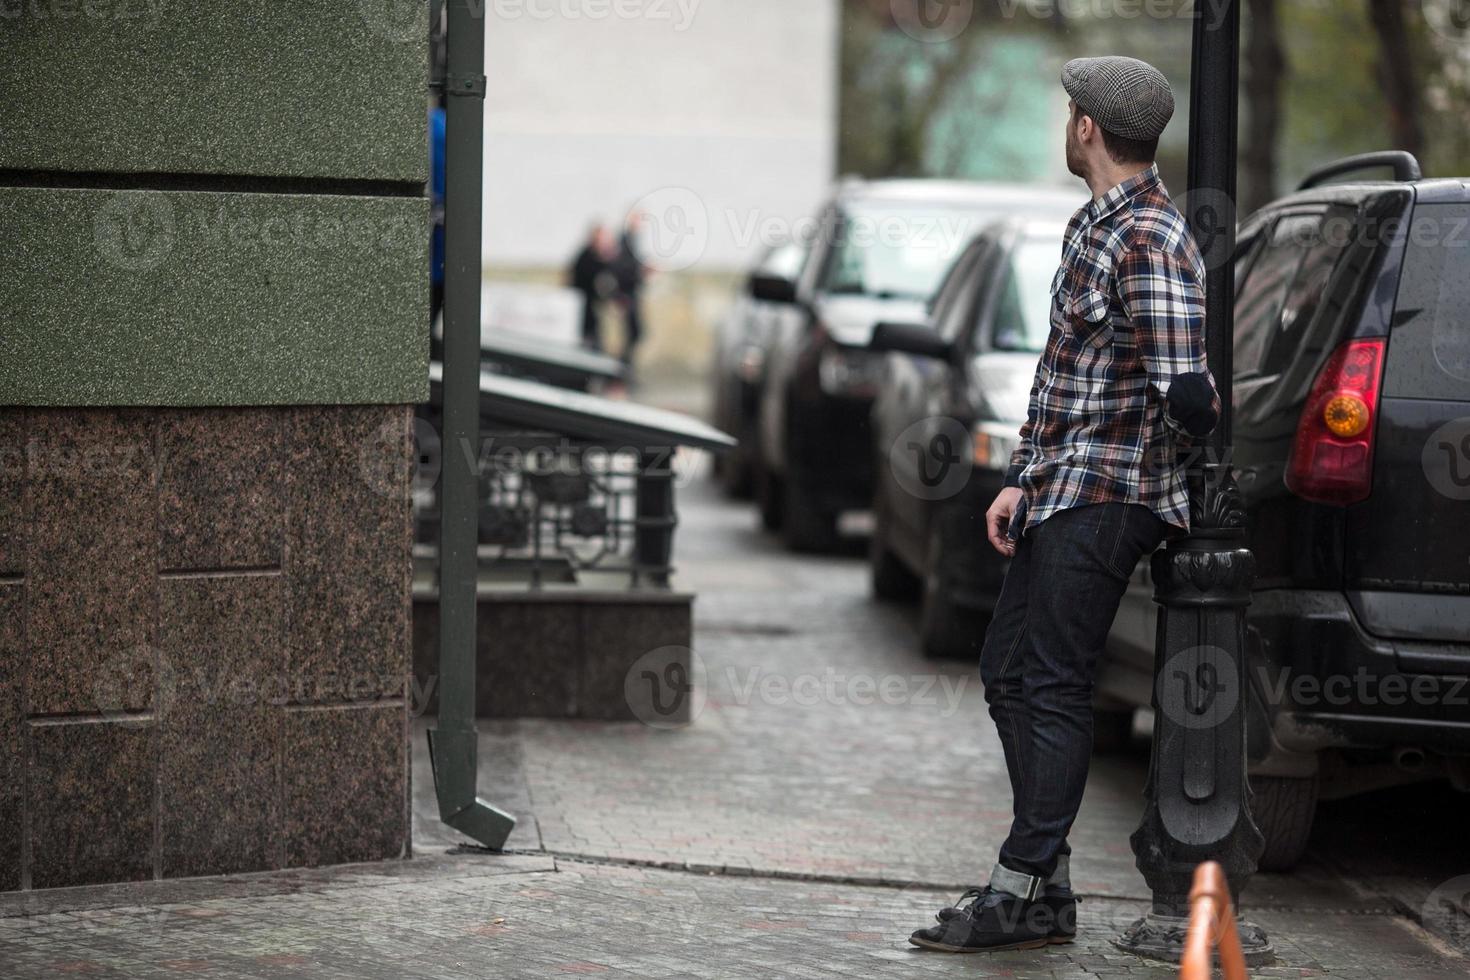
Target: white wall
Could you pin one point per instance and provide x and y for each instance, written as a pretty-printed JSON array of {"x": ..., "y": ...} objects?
[{"x": 717, "y": 112}]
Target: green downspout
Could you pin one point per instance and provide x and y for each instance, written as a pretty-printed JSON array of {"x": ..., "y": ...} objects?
[{"x": 453, "y": 742}]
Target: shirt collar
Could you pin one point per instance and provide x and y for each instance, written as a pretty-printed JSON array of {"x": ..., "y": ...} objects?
[{"x": 1101, "y": 207}]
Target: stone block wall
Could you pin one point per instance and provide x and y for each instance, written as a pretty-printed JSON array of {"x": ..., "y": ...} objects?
[{"x": 214, "y": 329}]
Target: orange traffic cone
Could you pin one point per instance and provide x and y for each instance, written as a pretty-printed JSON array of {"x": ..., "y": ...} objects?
[{"x": 1211, "y": 925}]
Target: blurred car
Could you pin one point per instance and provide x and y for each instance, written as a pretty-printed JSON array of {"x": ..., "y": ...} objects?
[
  {"x": 880, "y": 251},
  {"x": 739, "y": 366},
  {"x": 945, "y": 424},
  {"x": 1352, "y": 451}
]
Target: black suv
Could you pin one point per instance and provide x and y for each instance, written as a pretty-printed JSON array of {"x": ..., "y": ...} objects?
[
  {"x": 1352, "y": 450},
  {"x": 878, "y": 250}
]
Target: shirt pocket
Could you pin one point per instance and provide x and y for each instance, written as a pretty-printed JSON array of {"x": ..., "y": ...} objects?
[{"x": 1087, "y": 312}]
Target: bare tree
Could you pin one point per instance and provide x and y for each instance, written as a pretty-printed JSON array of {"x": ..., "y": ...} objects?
[
  {"x": 1396, "y": 75},
  {"x": 893, "y": 87},
  {"x": 1265, "y": 69}
]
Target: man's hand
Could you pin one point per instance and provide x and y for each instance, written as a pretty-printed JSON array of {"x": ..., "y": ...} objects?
[{"x": 998, "y": 520}]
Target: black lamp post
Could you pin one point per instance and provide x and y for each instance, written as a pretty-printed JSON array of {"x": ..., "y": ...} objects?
[{"x": 1198, "y": 795}]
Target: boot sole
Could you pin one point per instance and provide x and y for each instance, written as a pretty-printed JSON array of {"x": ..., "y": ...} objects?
[
  {"x": 941, "y": 947},
  {"x": 1053, "y": 940}
]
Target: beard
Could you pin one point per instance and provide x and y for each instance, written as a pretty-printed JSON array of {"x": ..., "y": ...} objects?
[{"x": 1076, "y": 164}]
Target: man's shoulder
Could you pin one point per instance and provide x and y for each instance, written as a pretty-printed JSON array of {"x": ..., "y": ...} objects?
[{"x": 1156, "y": 224}]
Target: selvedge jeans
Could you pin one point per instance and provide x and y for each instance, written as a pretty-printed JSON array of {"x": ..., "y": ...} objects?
[{"x": 1039, "y": 661}]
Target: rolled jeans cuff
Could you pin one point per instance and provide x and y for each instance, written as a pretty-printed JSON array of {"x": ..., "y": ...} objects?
[
  {"x": 1061, "y": 878},
  {"x": 1032, "y": 887},
  {"x": 1029, "y": 887}
]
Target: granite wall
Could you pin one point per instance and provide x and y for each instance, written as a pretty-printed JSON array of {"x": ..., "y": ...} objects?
[{"x": 215, "y": 326}]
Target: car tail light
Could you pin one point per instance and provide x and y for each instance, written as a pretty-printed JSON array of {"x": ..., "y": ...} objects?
[{"x": 1332, "y": 457}]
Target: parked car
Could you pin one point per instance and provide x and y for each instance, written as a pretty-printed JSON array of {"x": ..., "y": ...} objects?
[
  {"x": 881, "y": 249},
  {"x": 1351, "y": 435},
  {"x": 739, "y": 367},
  {"x": 1352, "y": 451},
  {"x": 956, "y": 397}
]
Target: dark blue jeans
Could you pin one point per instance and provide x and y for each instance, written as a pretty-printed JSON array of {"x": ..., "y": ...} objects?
[{"x": 1040, "y": 659}]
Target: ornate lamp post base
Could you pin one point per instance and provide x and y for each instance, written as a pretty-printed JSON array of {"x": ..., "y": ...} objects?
[
  {"x": 1161, "y": 937},
  {"x": 1198, "y": 795}
]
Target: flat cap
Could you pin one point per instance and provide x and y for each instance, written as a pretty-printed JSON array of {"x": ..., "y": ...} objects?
[{"x": 1127, "y": 97}]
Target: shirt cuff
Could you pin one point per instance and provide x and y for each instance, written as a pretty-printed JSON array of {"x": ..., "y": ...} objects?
[{"x": 1013, "y": 475}]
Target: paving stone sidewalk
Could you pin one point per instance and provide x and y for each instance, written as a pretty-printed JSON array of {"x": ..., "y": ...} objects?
[
  {"x": 511, "y": 917},
  {"x": 797, "y": 829}
]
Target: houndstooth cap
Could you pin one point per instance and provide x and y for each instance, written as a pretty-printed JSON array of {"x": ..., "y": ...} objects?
[{"x": 1127, "y": 97}]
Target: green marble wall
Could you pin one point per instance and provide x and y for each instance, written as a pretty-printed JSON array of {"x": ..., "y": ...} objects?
[
  {"x": 213, "y": 318},
  {"x": 190, "y": 298},
  {"x": 305, "y": 88}
]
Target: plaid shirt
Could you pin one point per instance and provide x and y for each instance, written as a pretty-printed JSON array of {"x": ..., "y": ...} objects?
[{"x": 1127, "y": 316}]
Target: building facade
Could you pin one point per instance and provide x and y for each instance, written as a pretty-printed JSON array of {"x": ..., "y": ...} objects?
[{"x": 215, "y": 313}]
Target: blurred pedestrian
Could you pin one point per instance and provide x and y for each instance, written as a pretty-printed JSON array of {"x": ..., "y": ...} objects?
[
  {"x": 631, "y": 275},
  {"x": 593, "y": 275},
  {"x": 436, "y": 241},
  {"x": 438, "y": 130}
]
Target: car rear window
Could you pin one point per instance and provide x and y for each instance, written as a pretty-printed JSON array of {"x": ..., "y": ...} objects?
[{"x": 1429, "y": 350}]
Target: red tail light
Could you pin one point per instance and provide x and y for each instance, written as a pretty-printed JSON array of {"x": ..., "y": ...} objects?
[{"x": 1332, "y": 458}]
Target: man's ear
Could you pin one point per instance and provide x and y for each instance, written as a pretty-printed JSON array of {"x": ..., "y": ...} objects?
[{"x": 1086, "y": 127}]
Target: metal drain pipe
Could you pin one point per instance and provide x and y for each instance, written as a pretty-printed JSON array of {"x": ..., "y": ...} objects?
[{"x": 453, "y": 740}]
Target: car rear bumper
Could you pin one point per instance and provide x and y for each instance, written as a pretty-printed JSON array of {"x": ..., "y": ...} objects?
[{"x": 1320, "y": 681}]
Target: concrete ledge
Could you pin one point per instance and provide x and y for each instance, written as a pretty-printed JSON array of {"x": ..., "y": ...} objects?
[
  {"x": 563, "y": 655},
  {"x": 158, "y": 298}
]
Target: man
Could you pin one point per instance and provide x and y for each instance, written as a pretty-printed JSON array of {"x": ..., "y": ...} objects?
[
  {"x": 593, "y": 276},
  {"x": 437, "y": 124},
  {"x": 1121, "y": 386},
  {"x": 631, "y": 273}
]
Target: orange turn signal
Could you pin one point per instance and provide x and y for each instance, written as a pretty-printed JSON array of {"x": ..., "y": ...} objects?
[{"x": 1346, "y": 416}]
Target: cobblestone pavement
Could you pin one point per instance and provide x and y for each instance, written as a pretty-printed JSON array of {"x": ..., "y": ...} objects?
[
  {"x": 835, "y": 789},
  {"x": 481, "y": 917}
]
